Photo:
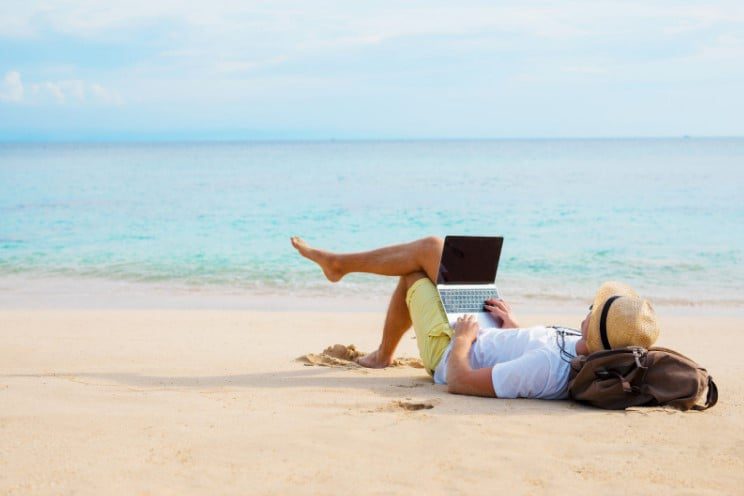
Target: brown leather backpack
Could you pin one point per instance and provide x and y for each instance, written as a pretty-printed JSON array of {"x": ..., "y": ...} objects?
[{"x": 625, "y": 377}]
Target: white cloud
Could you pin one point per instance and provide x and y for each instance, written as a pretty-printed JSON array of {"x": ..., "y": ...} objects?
[
  {"x": 74, "y": 91},
  {"x": 343, "y": 41},
  {"x": 226, "y": 37},
  {"x": 43, "y": 91},
  {"x": 105, "y": 95},
  {"x": 585, "y": 69},
  {"x": 11, "y": 89},
  {"x": 336, "y": 23},
  {"x": 236, "y": 66},
  {"x": 725, "y": 47}
]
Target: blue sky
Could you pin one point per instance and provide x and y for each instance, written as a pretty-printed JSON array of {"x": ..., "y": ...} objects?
[{"x": 166, "y": 69}]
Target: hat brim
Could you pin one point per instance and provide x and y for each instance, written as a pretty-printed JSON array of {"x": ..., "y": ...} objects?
[{"x": 606, "y": 291}]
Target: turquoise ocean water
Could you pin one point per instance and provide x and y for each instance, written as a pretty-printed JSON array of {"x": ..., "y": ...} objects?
[{"x": 666, "y": 215}]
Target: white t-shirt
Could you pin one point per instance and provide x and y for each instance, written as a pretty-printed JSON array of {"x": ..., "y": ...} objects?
[{"x": 526, "y": 363}]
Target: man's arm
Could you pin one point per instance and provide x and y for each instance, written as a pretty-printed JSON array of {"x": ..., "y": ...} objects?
[{"x": 461, "y": 378}]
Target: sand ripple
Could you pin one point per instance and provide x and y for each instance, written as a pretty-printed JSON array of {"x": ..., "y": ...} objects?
[{"x": 339, "y": 355}]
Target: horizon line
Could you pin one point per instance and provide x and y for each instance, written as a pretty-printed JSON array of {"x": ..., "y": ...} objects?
[{"x": 206, "y": 140}]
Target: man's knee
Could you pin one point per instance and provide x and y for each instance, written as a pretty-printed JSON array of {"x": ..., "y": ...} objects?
[
  {"x": 431, "y": 250},
  {"x": 433, "y": 244},
  {"x": 411, "y": 278},
  {"x": 430, "y": 254}
]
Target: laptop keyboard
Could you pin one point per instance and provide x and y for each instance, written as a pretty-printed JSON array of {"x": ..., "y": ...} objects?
[{"x": 470, "y": 300}]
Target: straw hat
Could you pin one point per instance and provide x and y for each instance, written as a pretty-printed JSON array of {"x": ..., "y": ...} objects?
[{"x": 628, "y": 319}]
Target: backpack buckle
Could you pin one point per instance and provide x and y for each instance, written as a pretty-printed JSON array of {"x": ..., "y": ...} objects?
[{"x": 638, "y": 354}]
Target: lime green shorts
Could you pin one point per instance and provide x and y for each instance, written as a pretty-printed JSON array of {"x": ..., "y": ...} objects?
[{"x": 433, "y": 332}]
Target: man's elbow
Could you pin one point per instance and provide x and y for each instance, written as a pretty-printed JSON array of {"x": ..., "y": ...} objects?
[
  {"x": 454, "y": 383},
  {"x": 471, "y": 382},
  {"x": 451, "y": 387}
]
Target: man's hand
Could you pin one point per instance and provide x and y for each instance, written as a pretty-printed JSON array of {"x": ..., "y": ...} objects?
[
  {"x": 503, "y": 311},
  {"x": 467, "y": 328}
]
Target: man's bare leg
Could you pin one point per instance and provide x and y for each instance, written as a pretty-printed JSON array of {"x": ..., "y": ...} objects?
[
  {"x": 410, "y": 261},
  {"x": 397, "y": 322},
  {"x": 398, "y": 260}
]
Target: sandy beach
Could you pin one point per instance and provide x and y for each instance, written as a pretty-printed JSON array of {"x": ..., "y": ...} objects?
[
  {"x": 214, "y": 402},
  {"x": 206, "y": 209}
]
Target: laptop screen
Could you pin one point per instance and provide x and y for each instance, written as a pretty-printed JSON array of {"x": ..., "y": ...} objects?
[{"x": 469, "y": 260}]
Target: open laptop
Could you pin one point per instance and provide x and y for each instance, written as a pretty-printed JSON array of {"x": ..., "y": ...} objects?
[{"x": 467, "y": 275}]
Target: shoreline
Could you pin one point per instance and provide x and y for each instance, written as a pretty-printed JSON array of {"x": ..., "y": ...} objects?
[{"x": 58, "y": 293}]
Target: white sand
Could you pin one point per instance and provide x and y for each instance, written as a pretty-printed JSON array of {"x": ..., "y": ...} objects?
[{"x": 213, "y": 402}]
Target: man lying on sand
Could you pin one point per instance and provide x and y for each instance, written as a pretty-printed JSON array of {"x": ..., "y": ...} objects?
[{"x": 509, "y": 362}]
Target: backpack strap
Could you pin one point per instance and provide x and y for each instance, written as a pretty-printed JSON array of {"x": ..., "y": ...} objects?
[
  {"x": 627, "y": 388},
  {"x": 712, "y": 397}
]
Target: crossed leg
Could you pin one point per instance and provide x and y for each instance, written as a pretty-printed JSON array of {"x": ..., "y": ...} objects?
[{"x": 410, "y": 261}]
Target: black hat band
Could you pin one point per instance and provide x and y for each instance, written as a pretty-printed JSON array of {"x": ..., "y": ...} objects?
[{"x": 603, "y": 322}]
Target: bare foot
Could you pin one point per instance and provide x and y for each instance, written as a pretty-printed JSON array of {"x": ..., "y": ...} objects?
[
  {"x": 325, "y": 259},
  {"x": 374, "y": 360}
]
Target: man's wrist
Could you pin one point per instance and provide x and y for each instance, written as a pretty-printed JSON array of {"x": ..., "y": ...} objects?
[{"x": 462, "y": 341}]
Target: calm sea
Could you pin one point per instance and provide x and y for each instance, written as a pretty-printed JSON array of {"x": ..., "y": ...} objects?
[{"x": 665, "y": 215}]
